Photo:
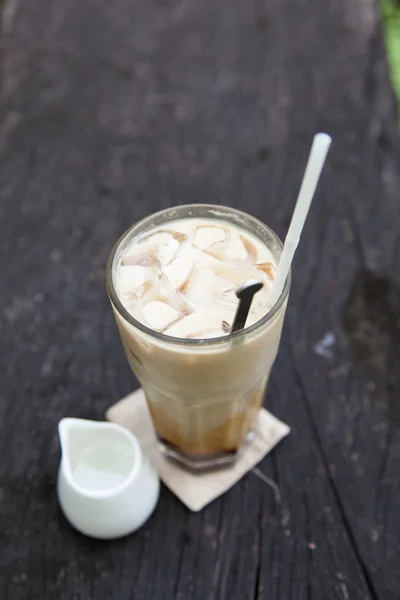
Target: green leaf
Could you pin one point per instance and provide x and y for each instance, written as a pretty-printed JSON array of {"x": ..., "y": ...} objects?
[{"x": 391, "y": 23}]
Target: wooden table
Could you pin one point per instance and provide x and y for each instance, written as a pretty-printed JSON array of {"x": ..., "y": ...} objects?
[{"x": 113, "y": 109}]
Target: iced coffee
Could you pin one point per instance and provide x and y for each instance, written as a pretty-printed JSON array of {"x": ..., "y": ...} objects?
[{"x": 172, "y": 281}]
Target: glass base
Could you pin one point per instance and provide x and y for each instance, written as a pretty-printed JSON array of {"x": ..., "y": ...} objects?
[{"x": 202, "y": 463}]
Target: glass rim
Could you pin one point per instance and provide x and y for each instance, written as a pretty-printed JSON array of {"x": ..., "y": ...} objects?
[{"x": 169, "y": 339}]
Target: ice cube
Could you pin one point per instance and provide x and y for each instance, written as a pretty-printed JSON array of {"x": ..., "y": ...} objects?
[
  {"x": 131, "y": 277},
  {"x": 203, "y": 282},
  {"x": 175, "y": 299},
  {"x": 181, "y": 237},
  {"x": 162, "y": 236},
  {"x": 149, "y": 289},
  {"x": 146, "y": 257},
  {"x": 153, "y": 239},
  {"x": 198, "y": 325},
  {"x": 167, "y": 252},
  {"x": 159, "y": 315},
  {"x": 267, "y": 268},
  {"x": 205, "y": 236},
  {"x": 228, "y": 299},
  {"x": 232, "y": 272},
  {"x": 154, "y": 247},
  {"x": 179, "y": 270},
  {"x": 206, "y": 287},
  {"x": 251, "y": 250},
  {"x": 229, "y": 250}
]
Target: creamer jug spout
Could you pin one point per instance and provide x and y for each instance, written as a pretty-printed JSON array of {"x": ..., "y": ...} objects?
[{"x": 72, "y": 433}]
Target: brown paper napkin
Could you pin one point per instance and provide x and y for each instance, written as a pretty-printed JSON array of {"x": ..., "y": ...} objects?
[{"x": 196, "y": 491}]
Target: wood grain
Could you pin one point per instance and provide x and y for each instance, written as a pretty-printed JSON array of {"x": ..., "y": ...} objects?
[{"x": 111, "y": 110}]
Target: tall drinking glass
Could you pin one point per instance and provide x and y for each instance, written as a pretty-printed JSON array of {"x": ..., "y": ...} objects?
[{"x": 204, "y": 395}]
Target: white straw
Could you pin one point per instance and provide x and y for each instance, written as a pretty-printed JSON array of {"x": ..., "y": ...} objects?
[{"x": 316, "y": 160}]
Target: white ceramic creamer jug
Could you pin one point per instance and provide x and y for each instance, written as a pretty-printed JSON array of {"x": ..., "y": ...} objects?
[{"x": 107, "y": 486}]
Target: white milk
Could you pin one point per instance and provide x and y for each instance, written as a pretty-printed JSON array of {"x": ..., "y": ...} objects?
[{"x": 102, "y": 466}]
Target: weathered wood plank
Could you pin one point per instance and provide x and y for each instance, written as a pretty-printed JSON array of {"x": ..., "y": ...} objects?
[{"x": 113, "y": 110}]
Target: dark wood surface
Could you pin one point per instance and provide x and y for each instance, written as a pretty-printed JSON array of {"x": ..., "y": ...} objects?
[{"x": 113, "y": 109}]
